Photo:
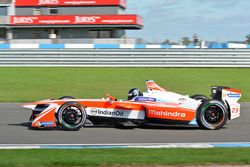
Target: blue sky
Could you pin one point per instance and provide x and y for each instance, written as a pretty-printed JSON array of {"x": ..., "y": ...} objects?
[{"x": 214, "y": 20}]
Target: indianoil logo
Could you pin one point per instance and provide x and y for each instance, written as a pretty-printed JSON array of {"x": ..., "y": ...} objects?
[{"x": 94, "y": 111}]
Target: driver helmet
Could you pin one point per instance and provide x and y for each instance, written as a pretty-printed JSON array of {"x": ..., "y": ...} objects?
[{"x": 132, "y": 93}]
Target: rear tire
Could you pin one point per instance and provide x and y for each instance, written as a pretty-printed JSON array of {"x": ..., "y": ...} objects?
[
  {"x": 212, "y": 115},
  {"x": 71, "y": 116},
  {"x": 202, "y": 98}
]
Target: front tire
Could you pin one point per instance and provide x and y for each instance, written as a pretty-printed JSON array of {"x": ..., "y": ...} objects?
[
  {"x": 212, "y": 115},
  {"x": 71, "y": 116}
]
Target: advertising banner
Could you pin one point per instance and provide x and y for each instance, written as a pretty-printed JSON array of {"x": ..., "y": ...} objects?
[
  {"x": 78, "y": 20},
  {"x": 70, "y": 3}
]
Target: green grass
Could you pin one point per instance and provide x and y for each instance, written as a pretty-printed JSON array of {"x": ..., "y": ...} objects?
[
  {"x": 31, "y": 84},
  {"x": 135, "y": 157}
]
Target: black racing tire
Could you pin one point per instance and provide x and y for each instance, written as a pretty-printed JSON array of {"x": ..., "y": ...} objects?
[
  {"x": 71, "y": 116},
  {"x": 203, "y": 98},
  {"x": 212, "y": 115},
  {"x": 66, "y": 97}
]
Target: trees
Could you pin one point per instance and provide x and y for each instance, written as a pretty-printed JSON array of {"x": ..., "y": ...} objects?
[
  {"x": 166, "y": 41},
  {"x": 248, "y": 39},
  {"x": 185, "y": 41}
]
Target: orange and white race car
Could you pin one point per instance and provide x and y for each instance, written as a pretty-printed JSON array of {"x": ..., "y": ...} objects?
[{"x": 155, "y": 106}]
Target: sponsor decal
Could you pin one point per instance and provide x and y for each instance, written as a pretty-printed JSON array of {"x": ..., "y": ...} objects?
[
  {"x": 46, "y": 123},
  {"x": 48, "y": 2},
  {"x": 85, "y": 19},
  {"x": 80, "y": 2},
  {"x": 23, "y": 20},
  {"x": 100, "y": 112},
  {"x": 138, "y": 99},
  {"x": 54, "y": 21},
  {"x": 69, "y": 2},
  {"x": 74, "y": 19},
  {"x": 233, "y": 95},
  {"x": 117, "y": 21},
  {"x": 94, "y": 111},
  {"x": 167, "y": 114},
  {"x": 182, "y": 100},
  {"x": 235, "y": 110}
]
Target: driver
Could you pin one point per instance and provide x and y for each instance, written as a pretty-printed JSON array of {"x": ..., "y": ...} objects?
[{"x": 132, "y": 93}]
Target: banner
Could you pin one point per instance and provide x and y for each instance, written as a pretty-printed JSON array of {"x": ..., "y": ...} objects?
[
  {"x": 71, "y": 3},
  {"x": 78, "y": 19}
]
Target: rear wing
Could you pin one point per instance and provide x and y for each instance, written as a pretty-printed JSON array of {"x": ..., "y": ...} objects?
[
  {"x": 230, "y": 97},
  {"x": 225, "y": 93}
]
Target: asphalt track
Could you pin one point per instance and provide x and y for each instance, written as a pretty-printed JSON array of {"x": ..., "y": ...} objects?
[{"x": 14, "y": 130}]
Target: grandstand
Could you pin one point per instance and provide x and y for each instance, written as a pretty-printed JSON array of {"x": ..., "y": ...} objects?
[{"x": 61, "y": 21}]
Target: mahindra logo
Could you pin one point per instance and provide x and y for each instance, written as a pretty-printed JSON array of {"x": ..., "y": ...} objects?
[
  {"x": 85, "y": 19},
  {"x": 167, "y": 114},
  {"x": 23, "y": 20},
  {"x": 48, "y": 2}
]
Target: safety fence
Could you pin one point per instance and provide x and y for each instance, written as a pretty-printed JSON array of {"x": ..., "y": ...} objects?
[
  {"x": 125, "y": 57},
  {"x": 204, "y": 45}
]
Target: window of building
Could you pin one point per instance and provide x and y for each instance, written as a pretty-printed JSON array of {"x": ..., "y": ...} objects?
[
  {"x": 53, "y": 11},
  {"x": 3, "y": 11},
  {"x": 15, "y": 34},
  {"x": 100, "y": 34},
  {"x": 105, "y": 34},
  {"x": 37, "y": 34},
  {"x": 93, "y": 34},
  {"x": 37, "y": 11},
  {"x": 71, "y": 32},
  {"x": 2, "y": 33}
]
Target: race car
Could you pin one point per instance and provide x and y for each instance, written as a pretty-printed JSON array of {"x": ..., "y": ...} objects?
[{"x": 155, "y": 106}]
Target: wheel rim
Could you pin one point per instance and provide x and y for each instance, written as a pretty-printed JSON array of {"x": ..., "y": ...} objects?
[
  {"x": 72, "y": 116},
  {"x": 213, "y": 115}
]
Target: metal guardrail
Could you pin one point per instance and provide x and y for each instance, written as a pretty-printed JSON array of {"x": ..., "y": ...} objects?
[{"x": 125, "y": 58}]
